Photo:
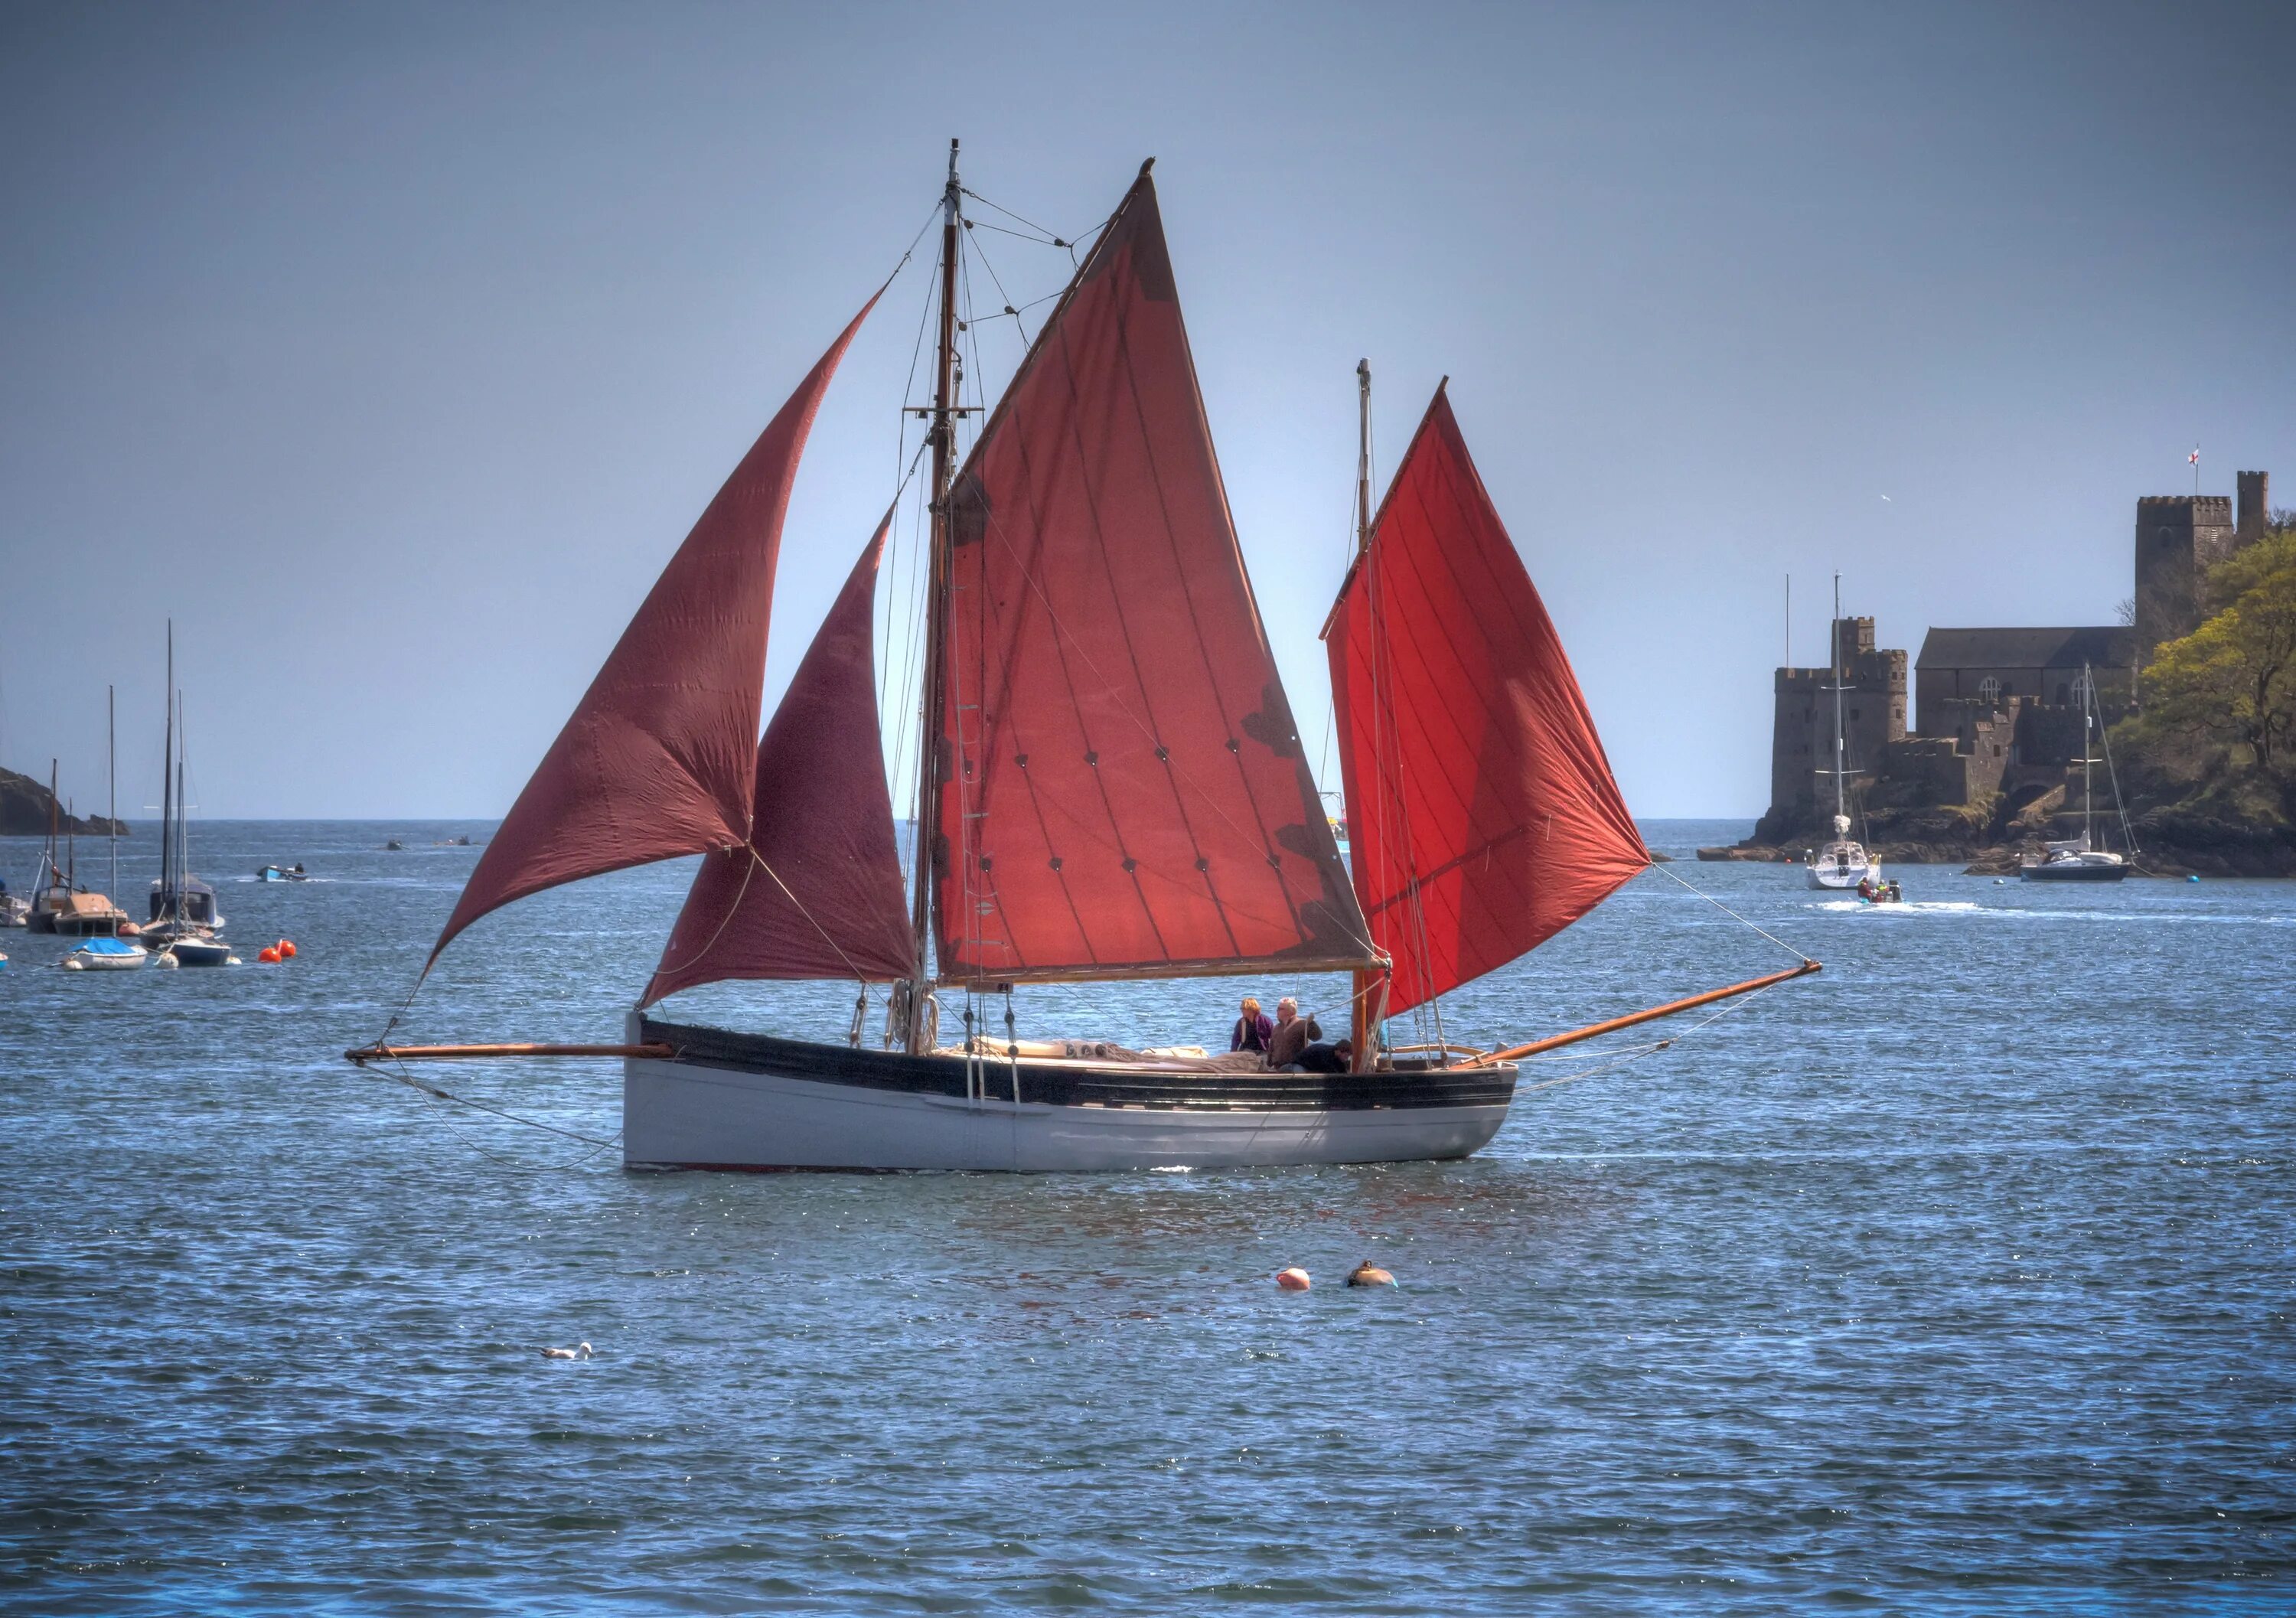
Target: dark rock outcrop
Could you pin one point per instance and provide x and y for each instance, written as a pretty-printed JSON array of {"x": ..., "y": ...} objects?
[{"x": 24, "y": 805}]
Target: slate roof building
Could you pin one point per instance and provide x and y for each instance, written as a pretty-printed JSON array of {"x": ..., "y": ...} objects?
[{"x": 2039, "y": 665}]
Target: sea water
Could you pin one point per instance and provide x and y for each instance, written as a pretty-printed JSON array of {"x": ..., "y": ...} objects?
[{"x": 1957, "y": 1279}]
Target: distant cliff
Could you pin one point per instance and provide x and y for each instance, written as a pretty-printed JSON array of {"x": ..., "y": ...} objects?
[{"x": 24, "y": 805}]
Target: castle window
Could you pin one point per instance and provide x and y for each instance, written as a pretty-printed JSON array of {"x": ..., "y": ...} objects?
[
  {"x": 2084, "y": 688},
  {"x": 2064, "y": 693},
  {"x": 1988, "y": 690}
]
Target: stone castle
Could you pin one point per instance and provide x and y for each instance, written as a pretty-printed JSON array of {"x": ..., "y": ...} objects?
[{"x": 1994, "y": 710}]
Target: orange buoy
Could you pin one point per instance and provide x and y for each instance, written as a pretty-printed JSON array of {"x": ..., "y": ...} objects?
[
  {"x": 1369, "y": 1274},
  {"x": 286, "y": 948},
  {"x": 267, "y": 953},
  {"x": 1295, "y": 1279}
]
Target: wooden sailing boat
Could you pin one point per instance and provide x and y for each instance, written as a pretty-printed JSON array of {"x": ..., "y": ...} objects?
[{"x": 1110, "y": 787}]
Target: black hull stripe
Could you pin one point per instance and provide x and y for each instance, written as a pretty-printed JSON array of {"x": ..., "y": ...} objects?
[{"x": 1084, "y": 1086}]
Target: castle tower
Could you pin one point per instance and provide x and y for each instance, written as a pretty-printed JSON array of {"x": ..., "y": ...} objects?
[
  {"x": 2254, "y": 513},
  {"x": 2179, "y": 538}
]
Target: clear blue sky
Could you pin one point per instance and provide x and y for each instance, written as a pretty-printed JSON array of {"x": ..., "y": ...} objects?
[{"x": 392, "y": 349}]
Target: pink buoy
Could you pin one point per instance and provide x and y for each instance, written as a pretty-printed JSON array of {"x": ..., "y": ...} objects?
[{"x": 1295, "y": 1279}]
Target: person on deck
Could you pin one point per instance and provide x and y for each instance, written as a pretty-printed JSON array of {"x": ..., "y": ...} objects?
[
  {"x": 1253, "y": 1029},
  {"x": 1322, "y": 1058},
  {"x": 1293, "y": 1033}
]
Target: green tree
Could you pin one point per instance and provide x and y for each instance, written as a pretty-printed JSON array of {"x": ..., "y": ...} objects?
[{"x": 2232, "y": 682}]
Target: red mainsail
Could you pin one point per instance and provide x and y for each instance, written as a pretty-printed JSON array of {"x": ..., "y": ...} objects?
[
  {"x": 1125, "y": 792},
  {"x": 1482, "y": 817},
  {"x": 656, "y": 759},
  {"x": 817, "y": 891}
]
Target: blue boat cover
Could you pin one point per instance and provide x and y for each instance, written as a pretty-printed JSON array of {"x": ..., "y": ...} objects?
[{"x": 109, "y": 946}]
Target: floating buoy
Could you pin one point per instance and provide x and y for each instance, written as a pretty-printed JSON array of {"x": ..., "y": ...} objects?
[
  {"x": 266, "y": 955},
  {"x": 286, "y": 948},
  {"x": 2194, "y": 877},
  {"x": 1295, "y": 1279},
  {"x": 1369, "y": 1274},
  {"x": 72, "y": 964}
]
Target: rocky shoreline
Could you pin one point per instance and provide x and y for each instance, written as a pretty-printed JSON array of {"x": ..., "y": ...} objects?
[{"x": 25, "y": 804}]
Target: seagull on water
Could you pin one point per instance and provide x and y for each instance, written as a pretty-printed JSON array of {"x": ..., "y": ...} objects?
[{"x": 582, "y": 1352}]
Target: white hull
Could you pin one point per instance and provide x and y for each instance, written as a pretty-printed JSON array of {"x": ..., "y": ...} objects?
[
  {"x": 78, "y": 961},
  {"x": 1835, "y": 874},
  {"x": 693, "y": 1112}
]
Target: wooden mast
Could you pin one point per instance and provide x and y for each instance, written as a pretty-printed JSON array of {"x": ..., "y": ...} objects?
[
  {"x": 1370, "y": 986},
  {"x": 932, "y": 742}
]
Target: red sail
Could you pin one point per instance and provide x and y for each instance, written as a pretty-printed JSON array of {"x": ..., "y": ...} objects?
[
  {"x": 816, "y": 892},
  {"x": 1482, "y": 818},
  {"x": 1126, "y": 794},
  {"x": 655, "y": 762}
]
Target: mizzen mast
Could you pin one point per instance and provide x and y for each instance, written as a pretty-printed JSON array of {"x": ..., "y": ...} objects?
[{"x": 932, "y": 739}]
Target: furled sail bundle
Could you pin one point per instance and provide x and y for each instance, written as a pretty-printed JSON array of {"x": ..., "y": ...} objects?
[
  {"x": 1123, "y": 790},
  {"x": 657, "y": 758},
  {"x": 1482, "y": 817},
  {"x": 815, "y": 891}
]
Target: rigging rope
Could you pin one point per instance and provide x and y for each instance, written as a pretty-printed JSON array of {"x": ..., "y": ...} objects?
[{"x": 1667, "y": 870}]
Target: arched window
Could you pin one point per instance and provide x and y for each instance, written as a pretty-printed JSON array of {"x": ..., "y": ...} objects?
[
  {"x": 1988, "y": 690},
  {"x": 2084, "y": 688},
  {"x": 2064, "y": 693}
]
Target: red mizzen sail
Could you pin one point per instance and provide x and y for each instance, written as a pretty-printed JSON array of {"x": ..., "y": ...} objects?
[
  {"x": 1474, "y": 778},
  {"x": 1126, "y": 793},
  {"x": 656, "y": 761},
  {"x": 816, "y": 892}
]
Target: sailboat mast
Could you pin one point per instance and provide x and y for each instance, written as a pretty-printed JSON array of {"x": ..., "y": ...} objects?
[
  {"x": 932, "y": 742},
  {"x": 1363, "y": 456},
  {"x": 112, "y": 778},
  {"x": 167, "y": 785},
  {"x": 1370, "y": 999},
  {"x": 2088, "y": 747},
  {"x": 1833, "y": 634}
]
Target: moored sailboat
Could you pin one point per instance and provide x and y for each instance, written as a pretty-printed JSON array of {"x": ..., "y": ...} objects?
[
  {"x": 185, "y": 920},
  {"x": 1110, "y": 787}
]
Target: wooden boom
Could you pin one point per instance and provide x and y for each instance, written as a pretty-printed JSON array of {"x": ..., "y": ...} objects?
[
  {"x": 450, "y": 1052},
  {"x": 1532, "y": 1049}
]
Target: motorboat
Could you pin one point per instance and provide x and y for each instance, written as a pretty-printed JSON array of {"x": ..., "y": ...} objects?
[
  {"x": 106, "y": 955},
  {"x": 200, "y": 952},
  {"x": 294, "y": 873}
]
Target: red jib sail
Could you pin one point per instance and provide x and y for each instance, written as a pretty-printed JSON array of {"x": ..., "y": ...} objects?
[
  {"x": 1482, "y": 817},
  {"x": 1125, "y": 793},
  {"x": 656, "y": 761},
  {"x": 817, "y": 891}
]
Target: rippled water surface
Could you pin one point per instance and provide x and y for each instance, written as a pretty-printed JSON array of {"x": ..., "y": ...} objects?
[{"x": 1957, "y": 1279}]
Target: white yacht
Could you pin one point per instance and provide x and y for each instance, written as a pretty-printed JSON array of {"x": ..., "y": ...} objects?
[
  {"x": 2080, "y": 858},
  {"x": 1842, "y": 863}
]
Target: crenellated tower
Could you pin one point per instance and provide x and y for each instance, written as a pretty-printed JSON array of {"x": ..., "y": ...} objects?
[{"x": 2179, "y": 538}]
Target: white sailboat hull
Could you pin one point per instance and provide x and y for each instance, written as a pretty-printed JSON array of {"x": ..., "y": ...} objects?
[
  {"x": 705, "y": 1110},
  {"x": 1842, "y": 866}
]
